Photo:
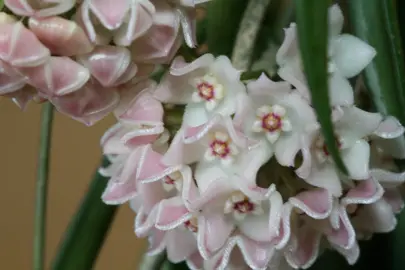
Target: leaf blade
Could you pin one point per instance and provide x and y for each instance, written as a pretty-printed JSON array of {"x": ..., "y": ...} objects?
[{"x": 312, "y": 27}]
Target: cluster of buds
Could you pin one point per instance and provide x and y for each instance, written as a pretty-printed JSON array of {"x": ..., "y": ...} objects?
[
  {"x": 88, "y": 64},
  {"x": 243, "y": 179},
  {"x": 246, "y": 181}
]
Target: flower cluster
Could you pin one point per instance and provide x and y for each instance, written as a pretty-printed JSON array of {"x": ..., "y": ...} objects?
[
  {"x": 246, "y": 181},
  {"x": 88, "y": 64}
]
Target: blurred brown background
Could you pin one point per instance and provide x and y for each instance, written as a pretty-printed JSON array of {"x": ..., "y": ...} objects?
[{"x": 75, "y": 155}]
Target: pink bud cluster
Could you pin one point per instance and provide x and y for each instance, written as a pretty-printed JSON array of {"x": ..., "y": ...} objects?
[{"x": 84, "y": 65}]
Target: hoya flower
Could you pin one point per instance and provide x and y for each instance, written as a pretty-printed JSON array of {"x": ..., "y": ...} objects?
[
  {"x": 123, "y": 21},
  {"x": 348, "y": 55},
  {"x": 89, "y": 104},
  {"x": 161, "y": 42},
  {"x": 39, "y": 8},
  {"x": 19, "y": 47},
  {"x": 207, "y": 85},
  {"x": 110, "y": 65},
  {"x": 61, "y": 36},
  {"x": 11, "y": 79},
  {"x": 218, "y": 142},
  {"x": 57, "y": 76},
  {"x": 228, "y": 205},
  {"x": 180, "y": 228},
  {"x": 351, "y": 131},
  {"x": 277, "y": 115}
]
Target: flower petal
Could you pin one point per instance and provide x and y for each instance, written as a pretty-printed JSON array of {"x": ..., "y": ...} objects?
[
  {"x": 180, "y": 244},
  {"x": 356, "y": 159},
  {"x": 171, "y": 213},
  {"x": 316, "y": 203},
  {"x": 351, "y": 55}
]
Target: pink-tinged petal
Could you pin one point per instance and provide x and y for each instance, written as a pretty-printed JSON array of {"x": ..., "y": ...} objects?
[
  {"x": 316, "y": 203},
  {"x": 153, "y": 194},
  {"x": 388, "y": 179},
  {"x": 345, "y": 235},
  {"x": 365, "y": 192},
  {"x": 256, "y": 255},
  {"x": 213, "y": 232},
  {"x": 394, "y": 198},
  {"x": 57, "y": 77},
  {"x": 171, "y": 214},
  {"x": 264, "y": 86},
  {"x": 130, "y": 90},
  {"x": 180, "y": 153},
  {"x": 304, "y": 249},
  {"x": 145, "y": 221},
  {"x": 180, "y": 244},
  {"x": 107, "y": 63},
  {"x": 389, "y": 128},
  {"x": 325, "y": 176},
  {"x": 161, "y": 40},
  {"x": 23, "y": 96},
  {"x": 62, "y": 37},
  {"x": 110, "y": 13},
  {"x": 156, "y": 241},
  {"x": 377, "y": 217},
  {"x": 143, "y": 110},
  {"x": 128, "y": 75},
  {"x": 351, "y": 254},
  {"x": 20, "y": 47},
  {"x": 140, "y": 20},
  {"x": 356, "y": 124},
  {"x": 88, "y": 105},
  {"x": 10, "y": 79},
  {"x": 175, "y": 86},
  {"x": 111, "y": 141},
  {"x": 356, "y": 159},
  {"x": 150, "y": 167},
  {"x": 285, "y": 226},
  {"x": 119, "y": 193},
  {"x": 195, "y": 261},
  {"x": 19, "y": 7}
]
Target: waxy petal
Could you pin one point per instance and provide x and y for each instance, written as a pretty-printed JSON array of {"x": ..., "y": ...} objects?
[{"x": 62, "y": 37}]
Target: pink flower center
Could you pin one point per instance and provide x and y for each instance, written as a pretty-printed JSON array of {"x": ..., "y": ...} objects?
[
  {"x": 220, "y": 148},
  {"x": 244, "y": 206},
  {"x": 191, "y": 225},
  {"x": 169, "y": 181},
  {"x": 271, "y": 122},
  {"x": 206, "y": 90}
]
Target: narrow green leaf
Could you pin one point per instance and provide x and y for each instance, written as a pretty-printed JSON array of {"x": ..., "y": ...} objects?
[
  {"x": 42, "y": 186},
  {"x": 223, "y": 19},
  {"x": 312, "y": 28},
  {"x": 375, "y": 22},
  {"x": 87, "y": 231}
]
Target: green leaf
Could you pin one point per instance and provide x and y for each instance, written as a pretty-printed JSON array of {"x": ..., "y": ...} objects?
[
  {"x": 87, "y": 231},
  {"x": 375, "y": 22},
  {"x": 312, "y": 25},
  {"x": 223, "y": 19}
]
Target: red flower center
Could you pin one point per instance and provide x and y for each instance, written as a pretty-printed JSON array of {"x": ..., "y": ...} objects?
[
  {"x": 220, "y": 148},
  {"x": 168, "y": 180},
  {"x": 244, "y": 206},
  {"x": 206, "y": 90},
  {"x": 192, "y": 226},
  {"x": 271, "y": 122},
  {"x": 325, "y": 148}
]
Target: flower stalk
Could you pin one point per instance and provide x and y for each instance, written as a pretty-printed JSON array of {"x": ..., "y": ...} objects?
[{"x": 42, "y": 187}]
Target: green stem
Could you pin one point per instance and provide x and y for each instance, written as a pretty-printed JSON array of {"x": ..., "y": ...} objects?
[
  {"x": 248, "y": 29},
  {"x": 42, "y": 186}
]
